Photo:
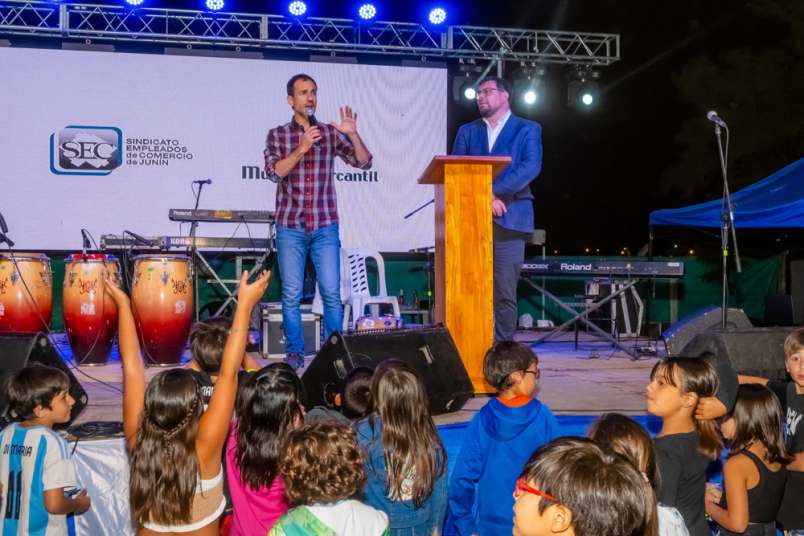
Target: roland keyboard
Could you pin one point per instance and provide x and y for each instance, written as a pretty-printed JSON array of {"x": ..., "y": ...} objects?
[
  {"x": 624, "y": 269},
  {"x": 218, "y": 216}
]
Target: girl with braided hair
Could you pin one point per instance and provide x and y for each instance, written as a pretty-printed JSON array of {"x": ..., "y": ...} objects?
[{"x": 175, "y": 447}]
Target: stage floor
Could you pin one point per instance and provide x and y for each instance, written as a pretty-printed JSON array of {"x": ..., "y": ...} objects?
[{"x": 591, "y": 380}]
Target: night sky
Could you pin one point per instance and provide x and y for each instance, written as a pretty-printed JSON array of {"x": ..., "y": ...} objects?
[{"x": 647, "y": 144}]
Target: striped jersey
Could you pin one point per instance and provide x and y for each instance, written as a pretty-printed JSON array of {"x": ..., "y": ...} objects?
[{"x": 32, "y": 460}]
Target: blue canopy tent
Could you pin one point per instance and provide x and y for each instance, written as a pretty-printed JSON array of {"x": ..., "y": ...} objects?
[{"x": 774, "y": 202}]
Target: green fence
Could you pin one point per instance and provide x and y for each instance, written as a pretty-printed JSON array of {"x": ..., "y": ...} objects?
[{"x": 665, "y": 300}]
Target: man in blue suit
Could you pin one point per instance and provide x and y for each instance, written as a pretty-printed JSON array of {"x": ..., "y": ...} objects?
[{"x": 500, "y": 133}]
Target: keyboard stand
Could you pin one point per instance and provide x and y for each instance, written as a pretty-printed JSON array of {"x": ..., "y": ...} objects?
[{"x": 583, "y": 316}]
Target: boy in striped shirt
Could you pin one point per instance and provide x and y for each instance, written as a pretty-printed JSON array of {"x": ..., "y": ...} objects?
[{"x": 35, "y": 464}]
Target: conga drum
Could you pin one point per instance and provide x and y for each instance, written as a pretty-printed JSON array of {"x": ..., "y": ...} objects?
[
  {"x": 90, "y": 314},
  {"x": 162, "y": 301},
  {"x": 26, "y": 292}
]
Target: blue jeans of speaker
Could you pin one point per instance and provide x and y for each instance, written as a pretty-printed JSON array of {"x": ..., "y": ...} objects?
[{"x": 324, "y": 246}]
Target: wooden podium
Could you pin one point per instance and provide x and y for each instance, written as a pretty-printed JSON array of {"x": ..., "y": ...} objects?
[{"x": 464, "y": 256}]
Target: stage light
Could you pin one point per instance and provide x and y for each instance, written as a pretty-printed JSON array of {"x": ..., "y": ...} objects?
[
  {"x": 437, "y": 15},
  {"x": 367, "y": 11},
  {"x": 214, "y": 5},
  {"x": 583, "y": 91},
  {"x": 297, "y": 8},
  {"x": 470, "y": 93},
  {"x": 531, "y": 88},
  {"x": 134, "y": 2}
]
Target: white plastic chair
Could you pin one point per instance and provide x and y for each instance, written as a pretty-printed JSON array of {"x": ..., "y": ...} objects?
[{"x": 355, "y": 292}]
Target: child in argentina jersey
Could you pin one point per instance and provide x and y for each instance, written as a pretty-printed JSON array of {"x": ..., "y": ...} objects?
[{"x": 32, "y": 460}]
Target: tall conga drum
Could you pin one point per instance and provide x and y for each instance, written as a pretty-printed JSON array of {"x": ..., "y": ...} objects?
[
  {"x": 26, "y": 292},
  {"x": 162, "y": 300},
  {"x": 90, "y": 314}
]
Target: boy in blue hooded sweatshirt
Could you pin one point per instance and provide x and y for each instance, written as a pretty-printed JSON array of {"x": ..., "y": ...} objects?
[{"x": 499, "y": 441}]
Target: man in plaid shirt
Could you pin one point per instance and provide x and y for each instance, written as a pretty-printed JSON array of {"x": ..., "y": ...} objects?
[{"x": 300, "y": 155}]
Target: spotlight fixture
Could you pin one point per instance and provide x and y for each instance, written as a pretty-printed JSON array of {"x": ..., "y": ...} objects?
[
  {"x": 532, "y": 87},
  {"x": 297, "y": 8},
  {"x": 367, "y": 11},
  {"x": 583, "y": 91},
  {"x": 214, "y": 5},
  {"x": 437, "y": 15},
  {"x": 134, "y": 2}
]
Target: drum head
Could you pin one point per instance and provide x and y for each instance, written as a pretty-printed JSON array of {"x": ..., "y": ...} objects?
[
  {"x": 26, "y": 256},
  {"x": 90, "y": 257},
  {"x": 162, "y": 258}
]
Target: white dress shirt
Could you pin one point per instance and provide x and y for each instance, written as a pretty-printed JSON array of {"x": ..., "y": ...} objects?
[{"x": 494, "y": 132}]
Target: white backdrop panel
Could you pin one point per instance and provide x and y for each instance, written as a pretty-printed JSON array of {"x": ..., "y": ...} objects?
[{"x": 218, "y": 111}]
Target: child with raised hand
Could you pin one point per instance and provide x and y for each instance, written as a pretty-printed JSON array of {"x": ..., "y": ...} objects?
[
  {"x": 754, "y": 476},
  {"x": 268, "y": 407},
  {"x": 685, "y": 445},
  {"x": 497, "y": 443},
  {"x": 322, "y": 470},
  {"x": 36, "y": 468},
  {"x": 406, "y": 464},
  {"x": 175, "y": 448},
  {"x": 627, "y": 438},
  {"x": 572, "y": 487}
]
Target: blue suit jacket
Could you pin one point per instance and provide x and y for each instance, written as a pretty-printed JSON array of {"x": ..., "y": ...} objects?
[{"x": 522, "y": 141}]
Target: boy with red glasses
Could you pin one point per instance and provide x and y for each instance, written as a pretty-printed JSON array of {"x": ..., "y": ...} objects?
[{"x": 572, "y": 487}]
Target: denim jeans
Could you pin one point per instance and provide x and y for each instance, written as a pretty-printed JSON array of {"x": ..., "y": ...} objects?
[{"x": 324, "y": 246}]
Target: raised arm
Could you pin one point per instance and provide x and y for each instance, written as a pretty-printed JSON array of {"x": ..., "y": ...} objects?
[
  {"x": 133, "y": 369},
  {"x": 214, "y": 426}
]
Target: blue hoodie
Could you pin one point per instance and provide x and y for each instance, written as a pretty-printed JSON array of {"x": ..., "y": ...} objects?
[{"x": 497, "y": 444}]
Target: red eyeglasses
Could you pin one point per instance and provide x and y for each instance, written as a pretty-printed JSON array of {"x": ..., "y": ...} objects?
[{"x": 523, "y": 486}]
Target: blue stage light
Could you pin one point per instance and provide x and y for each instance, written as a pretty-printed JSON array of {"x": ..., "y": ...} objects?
[
  {"x": 214, "y": 5},
  {"x": 367, "y": 11},
  {"x": 437, "y": 15},
  {"x": 297, "y": 8},
  {"x": 134, "y": 2}
]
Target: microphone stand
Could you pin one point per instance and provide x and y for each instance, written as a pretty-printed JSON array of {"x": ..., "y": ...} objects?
[
  {"x": 194, "y": 247},
  {"x": 726, "y": 223},
  {"x": 409, "y": 214}
]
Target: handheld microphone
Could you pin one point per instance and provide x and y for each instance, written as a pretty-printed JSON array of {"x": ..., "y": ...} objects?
[
  {"x": 311, "y": 117},
  {"x": 140, "y": 239},
  {"x": 713, "y": 117},
  {"x": 85, "y": 243},
  {"x": 203, "y": 181}
]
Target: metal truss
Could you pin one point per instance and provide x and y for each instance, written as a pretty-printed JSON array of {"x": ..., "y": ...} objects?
[{"x": 333, "y": 36}]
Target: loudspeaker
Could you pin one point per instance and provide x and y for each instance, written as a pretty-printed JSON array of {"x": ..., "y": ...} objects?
[
  {"x": 431, "y": 352},
  {"x": 755, "y": 351},
  {"x": 679, "y": 334},
  {"x": 18, "y": 350}
]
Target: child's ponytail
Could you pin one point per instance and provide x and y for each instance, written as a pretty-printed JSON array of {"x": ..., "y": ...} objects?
[{"x": 698, "y": 377}]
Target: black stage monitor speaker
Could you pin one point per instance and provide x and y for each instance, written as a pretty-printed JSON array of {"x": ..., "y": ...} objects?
[
  {"x": 17, "y": 350},
  {"x": 679, "y": 334},
  {"x": 755, "y": 351},
  {"x": 429, "y": 351}
]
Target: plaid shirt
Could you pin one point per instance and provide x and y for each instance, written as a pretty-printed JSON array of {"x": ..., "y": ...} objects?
[{"x": 305, "y": 199}]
